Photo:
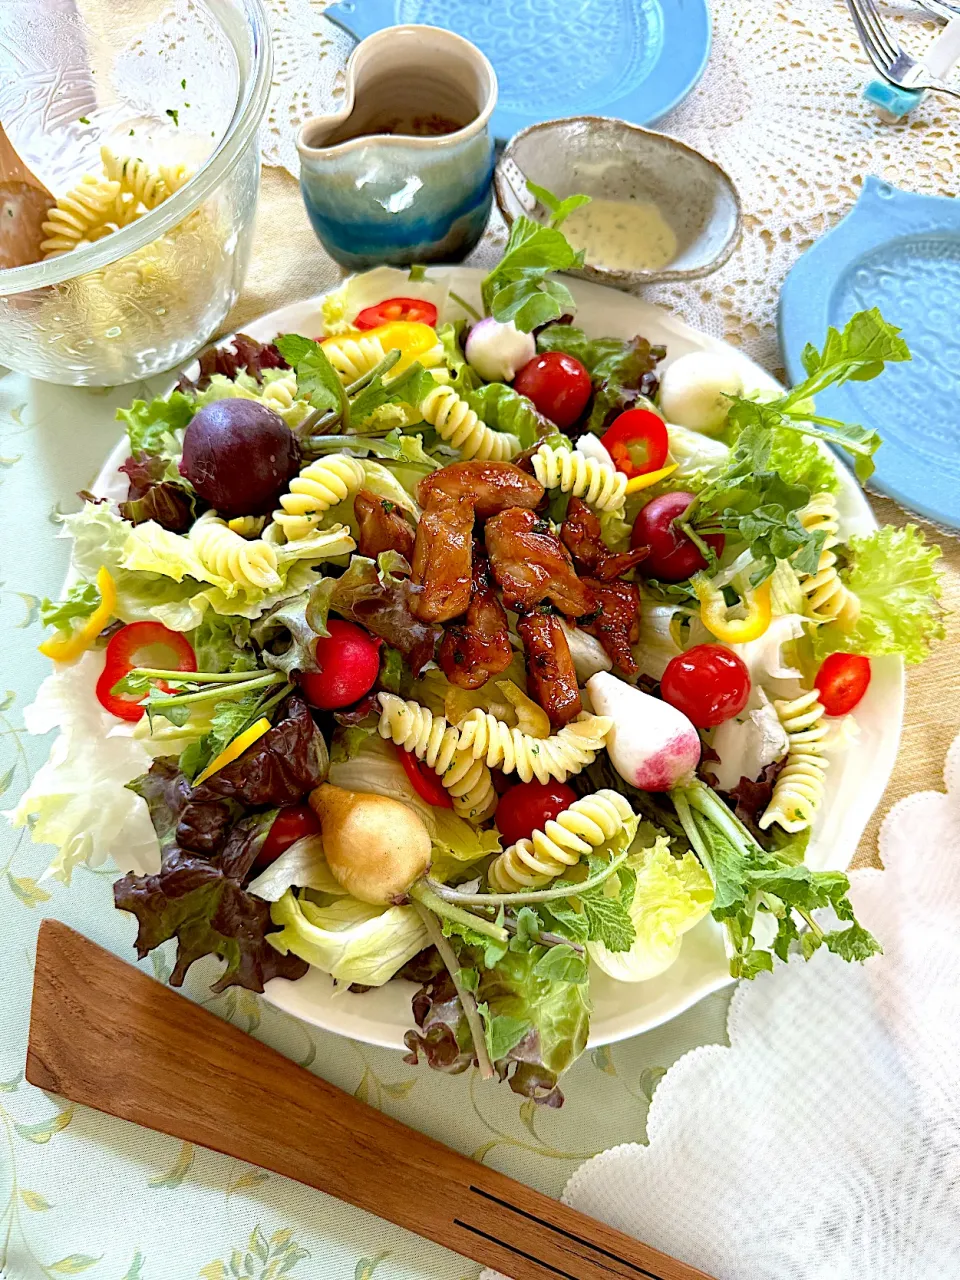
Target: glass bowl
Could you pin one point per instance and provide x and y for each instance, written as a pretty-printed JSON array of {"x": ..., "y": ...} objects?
[{"x": 181, "y": 83}]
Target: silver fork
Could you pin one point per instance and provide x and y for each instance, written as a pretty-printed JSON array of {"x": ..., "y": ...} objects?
[{"x": 893, "y": 63}]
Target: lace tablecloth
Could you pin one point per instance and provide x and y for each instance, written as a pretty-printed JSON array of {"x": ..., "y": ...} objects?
[{"x": 83, "y": 1194}]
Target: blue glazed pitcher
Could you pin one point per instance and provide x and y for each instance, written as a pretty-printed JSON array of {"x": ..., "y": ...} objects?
[{"x": 402, "y": 173}]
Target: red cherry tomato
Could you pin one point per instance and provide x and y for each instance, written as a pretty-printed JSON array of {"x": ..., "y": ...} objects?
[
  {"x": 673, "y": 557},
  {"x": 396, "y": 309},
  {"x": 141, "y": 644},
  {"x": 637, "y": 442},
  {"x": 526, "y": 807},
  {"x": 425, "y": 782},
  {"x": 292, "y": 823},
  {"x": 842, "y": 681},
  {"x": 558, "y": 385},
  {"x": 349, "y": 662},
  {"x": 708, "y": 683}
]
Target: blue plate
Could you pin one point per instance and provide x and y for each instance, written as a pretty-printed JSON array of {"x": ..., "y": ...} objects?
[
  {"x": 899, "y": 252},
  {"x": 629, "y": 58}
]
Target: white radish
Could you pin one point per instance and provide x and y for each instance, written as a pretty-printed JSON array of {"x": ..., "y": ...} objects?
[
  {"x": 695, "y": 390},
  {"x": 652, "y": 745},
  {"x": 498, "y": 351}
]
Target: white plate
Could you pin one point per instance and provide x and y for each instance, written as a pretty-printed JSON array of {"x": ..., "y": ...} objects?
[{"x": 855, "y": 783}]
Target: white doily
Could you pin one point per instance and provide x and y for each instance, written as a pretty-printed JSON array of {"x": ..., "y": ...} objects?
[{"x": 824, "y": 1143}]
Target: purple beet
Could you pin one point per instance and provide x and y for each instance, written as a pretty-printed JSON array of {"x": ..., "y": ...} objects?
[{"x": 239, "y": 456}]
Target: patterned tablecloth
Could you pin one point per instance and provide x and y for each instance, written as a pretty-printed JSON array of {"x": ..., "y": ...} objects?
[{"x": 84, "y": 1194}]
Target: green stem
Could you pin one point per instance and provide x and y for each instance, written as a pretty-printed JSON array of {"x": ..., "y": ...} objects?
[
  {"x": 183, "y": 699},
  {"x": 812, "y": 924},
  {"x": 424, "y": 894},
  {"x": 447, "y": 894},
  {"x": 704, "y": 548},
  {"x": 378, "y": 370},
  {"x": 467, "y": 1002},
  {"x": 707, "y": 802},
  {"x": 470, "y": 310},
  {"x": 193, "y": 677},
  {"x": 689, "y": 824},
  {"x": 832, "y": 437}
]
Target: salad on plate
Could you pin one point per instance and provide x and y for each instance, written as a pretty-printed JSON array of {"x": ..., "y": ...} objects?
[{"x": 476, "y": 653}]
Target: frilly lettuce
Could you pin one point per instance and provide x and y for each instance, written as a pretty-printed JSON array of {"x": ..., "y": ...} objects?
[
  {"x": 245, "y": 387},
  {"x": 341, "y": 306},
  {"x": 350, "y": 940},
  {"x": 894, "y": 575},
  {"x": 157, "y": 427},
  {"x": 302, "y": 866},
  {"x": 671, "y": 896},
  {"x": 79, "y": 799}
]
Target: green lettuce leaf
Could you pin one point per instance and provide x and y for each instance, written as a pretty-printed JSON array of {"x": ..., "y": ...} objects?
[
  {"x": 222, "y": 643},
  {"x": 157, "y": 427},
  {"x": 462, "y": 377},
  {"x": 246, "y": 387},
  {"x": 894, "y": 574},
  {"x": 80, "y": 602},
  {"x": 799, "y": 460},
  {"x": 517, "y": 288},
  {"x": 504, "y": 409}
]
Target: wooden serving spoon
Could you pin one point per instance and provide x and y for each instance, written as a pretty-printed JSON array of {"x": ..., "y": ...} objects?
[
  {"x": 104, "y": 1034},
  {"x": 24, "y": 205}
]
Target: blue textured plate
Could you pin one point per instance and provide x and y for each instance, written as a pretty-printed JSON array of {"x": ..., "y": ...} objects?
[
  {"x": 899, "y": 252},
  {"x": 629, "y": 58}
]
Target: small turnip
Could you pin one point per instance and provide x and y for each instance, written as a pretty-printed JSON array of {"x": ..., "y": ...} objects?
[
  {"x": 496, "y": 351},
  {"x": 377, "y": 848},
  {"x": 695, "y": 391},
  {"x": 652, "y": 745}
]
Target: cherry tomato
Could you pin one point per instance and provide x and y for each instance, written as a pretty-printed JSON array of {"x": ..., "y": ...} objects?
[
  {"x": 425, "y": 782},
  {"x": 637, "y": 442},
  {"x": 292, "y": 823},
  {"x": 708, "y": 683},
  {"x": 526, "y": 807},
  {"x": 673, "y": 557},
  {"x": 842, "y": 681},
  {"x": 140, "y": 644},
  {"x": 349, "y": 662},
  {"x": 558, "y": 385},
  {"x": 396, "y": 309}
]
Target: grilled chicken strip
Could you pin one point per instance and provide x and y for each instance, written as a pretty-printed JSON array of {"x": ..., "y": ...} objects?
[
  {"x": 490, "y": 486},
  {"x": 442, "y": 558},
  {"x": 580, "y": 533},
  {"x": 617, "y": 621},
  {"x": 383, "y": 526},
  {"x": 551, "y": 678},
  {"x": 531, "y": 564},
  {"x": 478, "y": 648}
]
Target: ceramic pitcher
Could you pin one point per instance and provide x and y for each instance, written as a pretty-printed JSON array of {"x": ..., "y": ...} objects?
[{"x": 402, "y": 172}]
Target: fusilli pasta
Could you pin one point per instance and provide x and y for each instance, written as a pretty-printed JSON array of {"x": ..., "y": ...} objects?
[
  {"x": 281, "y": 392},
  {"x": 247, "y": 526},
  {"x": 318, "y": 487},
  {"x": 82, "y": 215},
  {"x": 460, "y": 426},
  {"x": 571, "y": 472},
  {"x": 136, "y": 178},
  {"x": 431, "y": 739},
  {"x": 828, "y": 599},
  {"x": 531, "y": 863},
  {"x": 798, "y": 791},
  {"x": 230, "y": 556},
  {"x": 564, "y": 753}
]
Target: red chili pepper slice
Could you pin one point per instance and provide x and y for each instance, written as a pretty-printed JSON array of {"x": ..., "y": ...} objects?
[
  {"x": 140, "y": 644},
  {"x": 424, "y": 781},
  {"x": 637, "y": 442},
  {"x": 415, "y": 309}
]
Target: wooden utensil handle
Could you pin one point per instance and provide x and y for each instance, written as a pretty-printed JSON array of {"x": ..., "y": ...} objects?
[{"x": 104, "y": 1034}]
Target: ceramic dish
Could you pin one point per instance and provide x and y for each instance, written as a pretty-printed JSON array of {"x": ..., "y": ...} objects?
[
  {"x": 899, "y": 252},
  {"x": 631, "y": 58},
  {"x": 382, "y": 1015},
  {"x": 616, "y": 161}
]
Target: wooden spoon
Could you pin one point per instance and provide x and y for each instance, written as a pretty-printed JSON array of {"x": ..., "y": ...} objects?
[
  {"x": 104, "y": 1034},
  {"x": 24, "y": 205}
]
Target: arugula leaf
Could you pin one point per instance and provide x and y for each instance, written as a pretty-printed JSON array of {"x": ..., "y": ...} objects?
[
  {"x": 317, "y": 380},
  {"x": 894, "y": 574},
  {"x": 504, "y": 409},
  {"x": 517, "y": 288},
  {"x": 409, "y": 387},
  {"x": 80, "y": 602},
  {"x": 559, "y": 209},
  {"x": 154, "y": 427}
]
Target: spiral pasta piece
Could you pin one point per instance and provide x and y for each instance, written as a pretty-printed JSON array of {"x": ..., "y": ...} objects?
[
  {"x": 431, "y": 739},
  {"x": 136, "y": 178},
  {"x": 828, "y": 599},
  {"x": 533, "y": 861},
  {"x": 798, "y": 791},
  {"x": 81, "y": 216},
  {"x": 564, "y": 753},
  {"x": 597, "y": 483},
  {"x": 460, "y": 426},
  {"x": 316, "y": 489},
  {"x": 247, "y": 526},
  {"x": 281, "y": 392},
  {"x": 230, "y": 556},
  {"x": 354, "y": 357},
  {"x": 175, "y": 176}
]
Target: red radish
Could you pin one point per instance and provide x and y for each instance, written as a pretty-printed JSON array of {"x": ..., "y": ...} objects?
[
  {"x": 652, "y": 745},
  {"x": 673, "y": 556},
  {"x": 349, "y": 662}
]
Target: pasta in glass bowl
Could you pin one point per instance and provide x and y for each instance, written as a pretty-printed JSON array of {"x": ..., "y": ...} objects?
[{"x": 149, "y": 146}]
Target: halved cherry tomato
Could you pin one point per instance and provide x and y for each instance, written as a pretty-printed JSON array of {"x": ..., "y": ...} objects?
[
  {"x": 528, "y": 806},
  {"x": 637, "y": 442},
  {"x": 292, "y": 823},
  {"x": 140, "y": 644},
  {"x": 396, "y": 309},
  {"x": 424, "y": 781},
  {"x": 558, "y": 384},
  {"x": 842, "y": 681}
]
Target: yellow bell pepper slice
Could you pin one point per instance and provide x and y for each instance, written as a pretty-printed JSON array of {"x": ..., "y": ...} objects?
[
  {"x": 713, "y": 610},
  {"x": 235, "y": 749},
  {"x": 649, "y": 478},
  {"x": 411, "y": 338},
  {"x": 63, "y": 648}
]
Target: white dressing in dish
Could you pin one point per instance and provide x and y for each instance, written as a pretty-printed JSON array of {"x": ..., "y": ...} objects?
[{"x": 622, "y": 235}]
